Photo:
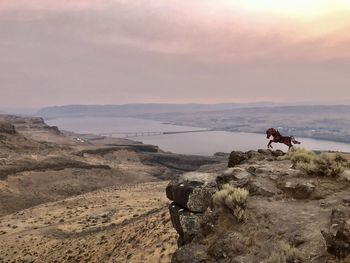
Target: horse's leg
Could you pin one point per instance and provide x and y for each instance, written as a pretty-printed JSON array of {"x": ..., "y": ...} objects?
[
  {"x": 288, "y": 142},
  {"x": 269, "y": 144}
]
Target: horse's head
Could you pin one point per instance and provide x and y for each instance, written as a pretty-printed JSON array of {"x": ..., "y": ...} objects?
[{"x": 270, "y": 132}]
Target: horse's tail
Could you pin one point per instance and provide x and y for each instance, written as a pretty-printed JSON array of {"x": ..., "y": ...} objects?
[{"x": 294, "y": 140}]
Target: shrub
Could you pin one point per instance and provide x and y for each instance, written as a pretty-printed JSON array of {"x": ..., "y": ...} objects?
[
  {"x": 325, "y": 164},
  {"x": 287, "y": 254},
  {"x": 300, "y": 155},
  {"x": 232, "y": 199}
]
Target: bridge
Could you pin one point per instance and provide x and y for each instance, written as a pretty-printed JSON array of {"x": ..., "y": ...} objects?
[{"x": 147, "y": 133}]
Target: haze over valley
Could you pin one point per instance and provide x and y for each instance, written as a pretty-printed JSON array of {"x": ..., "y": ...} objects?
[{"x": 177, "y": 131}]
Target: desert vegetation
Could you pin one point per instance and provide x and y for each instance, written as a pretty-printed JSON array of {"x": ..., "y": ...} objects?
[
  {"x": 232, "y": 199},
  {"x": 323, "y": 164},
  {"x": 286, "y": 254}
]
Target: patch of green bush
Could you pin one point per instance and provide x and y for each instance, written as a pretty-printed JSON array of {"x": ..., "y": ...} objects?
[{"x": 232, "y": 199}]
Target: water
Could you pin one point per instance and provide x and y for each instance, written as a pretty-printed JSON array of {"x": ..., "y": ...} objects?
[{"x": 199, "y": 143}]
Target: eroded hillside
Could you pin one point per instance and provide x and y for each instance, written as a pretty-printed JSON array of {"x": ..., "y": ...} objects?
[{"x": 84, "y": 198}]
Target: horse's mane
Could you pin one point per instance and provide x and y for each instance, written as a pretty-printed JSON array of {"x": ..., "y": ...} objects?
[{"x": 273, "y": 131}]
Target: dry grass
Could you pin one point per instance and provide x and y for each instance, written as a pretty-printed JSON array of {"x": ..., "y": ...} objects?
[
  {"x": 300, "y": 155},
  {"x": 232, "y": 199},
  {"x": 287, "y": 254},
  {"x": 324, "y": 164}
]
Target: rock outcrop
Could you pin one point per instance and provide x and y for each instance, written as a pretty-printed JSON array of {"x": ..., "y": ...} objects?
[
  {"x": 338, "y": 236},
  {"x": 236, "y": 158},
  {"x": 285, "y": 214},
  {"x": 191, "y": 195}
]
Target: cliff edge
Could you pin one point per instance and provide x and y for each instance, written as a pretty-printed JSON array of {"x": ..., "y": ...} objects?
[{"x": 266, "y": 207}]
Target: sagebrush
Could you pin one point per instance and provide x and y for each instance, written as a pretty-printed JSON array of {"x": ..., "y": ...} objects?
[
  {"x": 233, "y": 199},
  {"x": 324, "y": 164},
  {"x": 286, "y": 254},
  {"x": 300, "y": 155}
]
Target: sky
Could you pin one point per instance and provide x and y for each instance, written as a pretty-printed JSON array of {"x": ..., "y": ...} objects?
[{"x": 174, "y": 51}]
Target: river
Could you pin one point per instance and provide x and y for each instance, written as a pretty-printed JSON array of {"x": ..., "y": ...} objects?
[{"x": 198, "y": 143}]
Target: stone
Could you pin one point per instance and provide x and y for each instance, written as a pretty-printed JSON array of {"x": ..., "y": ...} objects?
[
  {"x": 193, "y": 253},
  {"x": 236, "y": 158},
  {"x": 263, "y": 187},
  {"x": 236, "y": 176},
  {"x": 193, "y": 195},
  {"x": 296, "y": 240},
  {"x": 277, "y": 153},
  {"x": 227, "y": 246},
  {"x": 252, "y": 154},
  {"x": 186, "y": 223},
  {"x": 298, "y": 190},
  {"x": 338, "y": 236},
  {"x": 265, "y": 152}
]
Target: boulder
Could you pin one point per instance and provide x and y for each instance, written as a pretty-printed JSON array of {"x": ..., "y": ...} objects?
[
  {"x": 267, "y": 152},
  {"x": 236, "y": 158},
  {"x": 252, "y": 154},
  {"x": 277, "y": 153},
  {"x": 193, "y": 191},
  {"x": 240, "y": 177},
  {"x": 192, "y": 253},
  {"x": 262, "y": 187},
  {"x": 186, "y": 223},
  {"x": 298, "y": 190},
  {"x": 338, "y": 237},
  {"x": 236, "y": 176},
  {"x": 227, "y": 246}
]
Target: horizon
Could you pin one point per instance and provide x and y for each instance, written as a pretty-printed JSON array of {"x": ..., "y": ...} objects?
[{"x": 118, "y": 52}]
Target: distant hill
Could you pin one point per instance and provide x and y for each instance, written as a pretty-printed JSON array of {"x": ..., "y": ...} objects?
[
  {"x": 129, "y": 110},
  {"x": 314, "y": 121}
]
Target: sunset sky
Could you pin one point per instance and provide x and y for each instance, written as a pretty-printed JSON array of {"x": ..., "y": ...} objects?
[{"x": 177, "y": 51}]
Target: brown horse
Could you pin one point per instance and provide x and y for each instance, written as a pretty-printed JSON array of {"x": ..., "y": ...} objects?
[{"x": 278, "y": 138}]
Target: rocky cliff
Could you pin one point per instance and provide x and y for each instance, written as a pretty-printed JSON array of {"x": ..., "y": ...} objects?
[{"x": 266, "y": 207}]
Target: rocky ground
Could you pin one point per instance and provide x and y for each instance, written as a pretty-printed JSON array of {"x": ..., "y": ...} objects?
[
  {"x": 288, "y": 217},
  {"x": 84, "y": 198}
]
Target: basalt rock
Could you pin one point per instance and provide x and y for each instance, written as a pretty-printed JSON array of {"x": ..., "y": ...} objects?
[
  {"x": 298, "y": 190},
  {"x": 193, "y": 253},
  {"x": 262, "y": 187},
  {"x": 228, "y": 246},
  {"x": 193, "y": 191},
  {"x": 186, "y": 223},
  {"x": 240, "y": 177},
  {"x": 265, "y": 152},
  {"x": 236, "y": 158},
  {"x": 236, "y": 176},
  {"x": 338, "y": 237},
  {"x": 277, "y": 153}
]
